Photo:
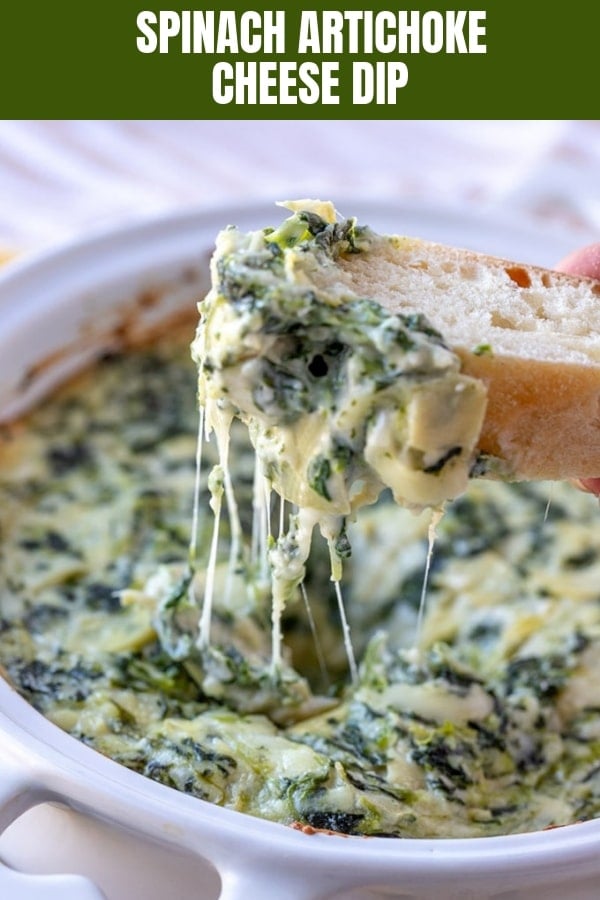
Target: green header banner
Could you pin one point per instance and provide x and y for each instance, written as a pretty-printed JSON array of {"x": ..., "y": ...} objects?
[{"x": 123, "y": 59}]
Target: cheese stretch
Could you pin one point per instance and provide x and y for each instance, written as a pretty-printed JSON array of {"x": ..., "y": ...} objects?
[
  {"x": 490, "y": 726},
  {"x": 342, "y": 398}
]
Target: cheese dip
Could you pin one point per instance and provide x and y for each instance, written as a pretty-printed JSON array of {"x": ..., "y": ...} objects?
[{"x": 485, "y": 722}]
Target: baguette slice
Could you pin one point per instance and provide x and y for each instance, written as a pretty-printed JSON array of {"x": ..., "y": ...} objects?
[
  {"x": 532, "y": 336},
  {"x": 360, "y": 361}
]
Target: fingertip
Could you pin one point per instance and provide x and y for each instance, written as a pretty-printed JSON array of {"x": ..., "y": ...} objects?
[
  {"x": 585, "y": 261},
  {"x": 591, "y": 485}
]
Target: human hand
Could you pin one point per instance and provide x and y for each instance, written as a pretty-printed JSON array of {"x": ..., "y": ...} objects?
[{"x": 585, "y": 261}]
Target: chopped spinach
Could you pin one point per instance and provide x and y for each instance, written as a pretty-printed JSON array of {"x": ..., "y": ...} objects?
[
  {"x": 545, "y": 676},
  {"x": 318, "y": 474},
  {"x": 47, "y": 682},
  {"x": 64, "y": 458},
  {"x": 343, "y": 822}
]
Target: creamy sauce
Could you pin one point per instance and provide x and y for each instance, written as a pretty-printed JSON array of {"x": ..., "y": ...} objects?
[
  {"x": 436, "y": 518},
  {"x": 493, "y": 727},
  {"x": 341, "y": 398}
]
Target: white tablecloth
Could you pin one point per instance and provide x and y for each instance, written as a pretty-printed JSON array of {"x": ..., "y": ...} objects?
[{"x": 59, "y": 179}]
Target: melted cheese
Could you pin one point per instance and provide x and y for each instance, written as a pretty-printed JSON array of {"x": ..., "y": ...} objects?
[
  {"x": 341, "y": 399},
  {"x": 492, "y": 726}
]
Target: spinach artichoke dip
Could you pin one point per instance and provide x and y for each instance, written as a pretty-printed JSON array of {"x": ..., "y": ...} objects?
[{"x": 269, "y": 650}]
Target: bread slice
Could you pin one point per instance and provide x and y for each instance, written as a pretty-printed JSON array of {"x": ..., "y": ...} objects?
[{"x": 532, "y": 335}]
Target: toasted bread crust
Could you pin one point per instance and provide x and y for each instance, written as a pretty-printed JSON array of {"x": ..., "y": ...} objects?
[
  {"x": 541, "y": 334},
  {"x": 542, "y": 417}
]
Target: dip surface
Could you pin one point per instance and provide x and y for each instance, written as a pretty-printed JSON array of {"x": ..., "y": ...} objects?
[{"x": 490, "y": 725}]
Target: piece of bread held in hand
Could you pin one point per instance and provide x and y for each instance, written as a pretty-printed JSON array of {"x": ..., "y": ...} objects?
[{"x": 532, "y": 335}]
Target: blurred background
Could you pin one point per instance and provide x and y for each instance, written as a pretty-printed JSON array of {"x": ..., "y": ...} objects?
[{"x": 61, "y": 179}]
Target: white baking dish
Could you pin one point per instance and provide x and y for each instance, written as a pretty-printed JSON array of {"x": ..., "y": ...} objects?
[{"x": 90, "y": 816}]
